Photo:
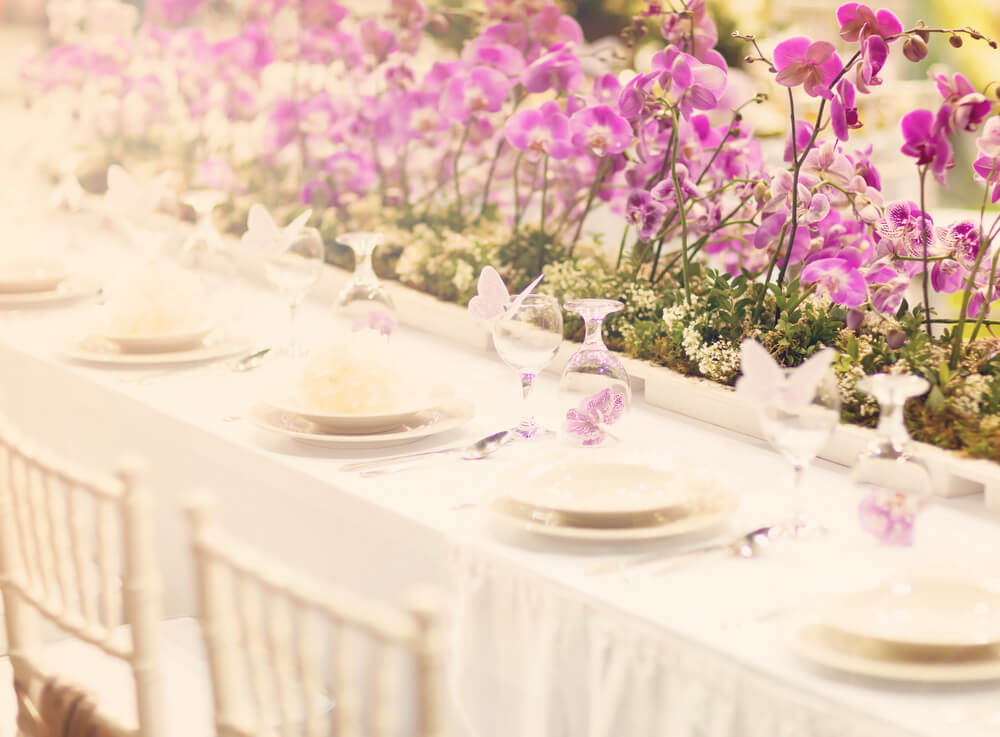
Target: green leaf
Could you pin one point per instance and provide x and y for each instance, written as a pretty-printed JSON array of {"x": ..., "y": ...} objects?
[
  {"x": 944, "y": 373},
  {"x": 935, "y": 400}
]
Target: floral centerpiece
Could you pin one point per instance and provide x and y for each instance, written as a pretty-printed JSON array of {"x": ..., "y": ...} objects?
[{"x": 508, "y": 148}]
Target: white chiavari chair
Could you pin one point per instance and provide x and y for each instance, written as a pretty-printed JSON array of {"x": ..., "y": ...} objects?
[
  {"x": 291, "y": 656},
  {"x": 77, "y": 552}
]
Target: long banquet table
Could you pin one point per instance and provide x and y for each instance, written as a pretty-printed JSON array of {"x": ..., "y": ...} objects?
[{"x": 541, "y": 644}]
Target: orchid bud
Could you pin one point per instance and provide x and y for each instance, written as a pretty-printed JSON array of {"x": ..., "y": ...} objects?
[
  {"x": 438, "y": 24},
  {"x": 760, "y": 192},
  {"x": 955, "y": 40},
  {"x": 895, "y": 339},
  {"x": 925, "y": 35},
  {"x": 854, "y": 318},
  {"x": 915, "y": 48}
]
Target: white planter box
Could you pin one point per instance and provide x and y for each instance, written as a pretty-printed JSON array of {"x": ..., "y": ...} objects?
[{"x": 952, "y": 474}]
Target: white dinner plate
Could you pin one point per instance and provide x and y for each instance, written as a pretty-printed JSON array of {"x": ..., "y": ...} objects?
[
  {"x": 863, "y": 656},
  {"x": 601, "y": 489},
  {"x": 712, "y": 510},
  {"x": 181, "y": 340},
  {"x": 97, "y": 350},
  {"x": 357, "y": 424},
  {"x": 448, "y": 416},
  {"x": 921, "y": 611},
  {"x": 67, "y": 290},
  {"x": 31, "y": 277}
]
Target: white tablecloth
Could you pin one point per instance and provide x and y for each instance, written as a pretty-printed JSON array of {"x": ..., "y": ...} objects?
[{"x": 542, "y": 646}]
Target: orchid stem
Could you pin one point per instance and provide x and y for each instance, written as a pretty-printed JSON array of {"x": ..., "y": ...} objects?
[
  {"x": 541, "y": 223},
  {"x": 925, "y": 239},
  {"x": 458, "y": 154}
]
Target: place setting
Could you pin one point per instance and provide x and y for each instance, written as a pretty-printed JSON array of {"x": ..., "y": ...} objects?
[
  {"x": 41, "y": 280},
  {"x": 157, "y": 315}
]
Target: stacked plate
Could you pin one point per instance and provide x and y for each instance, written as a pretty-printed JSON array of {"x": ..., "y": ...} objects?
[
  {"x": 577, "y": 498},
  {"x": 199, "y": 343},
  {"x": 38, "y": 282},
  {"x": 360, "y": 430},
  {"x": 920, "y": 628}
]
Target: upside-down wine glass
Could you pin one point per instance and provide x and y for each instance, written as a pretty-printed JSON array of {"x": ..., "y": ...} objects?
[
  {"x": 895, "y": 484},
  {"x": 204, "y": 241},
  {"x": 527, "y": 337},
  {"x": 364, "y": 299},
  {"x": 293, "y": 270},
  {"x": 594, "y": 389},
  {"x": 798, "y": 427}
]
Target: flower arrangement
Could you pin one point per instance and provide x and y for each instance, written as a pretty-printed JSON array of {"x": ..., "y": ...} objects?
[{"x": 503, "y": 151}]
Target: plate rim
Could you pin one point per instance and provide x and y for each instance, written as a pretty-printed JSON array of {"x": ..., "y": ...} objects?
[
  {"x": 329, "y": 440},
  {"x": 843, "y": 601},
  {"x": 728, "y": 504},
  {"x": 830, "y": 657},
  {"x": 72, "y": 287},
  {"x": 228, "y": 346}
]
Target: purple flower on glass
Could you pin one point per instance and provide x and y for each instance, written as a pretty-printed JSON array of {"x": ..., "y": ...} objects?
[
  {"x": 558, "y": 70},
  {"x": 860, "y": 22},
  {"x": 482, "y": 90},
  {"x": 589, "y": 422},
  {"x": 600, "y": 130},
  {"x": 843, "y": 282},
  {"x": 541, "y": 132},
  {"x": 889, "y": 516},
  {"x": 379, "y": 321},
  {"x": 926, "y": 141},
  {"x": 644, "y": 213},
  {"x": 812, "y": 64}
]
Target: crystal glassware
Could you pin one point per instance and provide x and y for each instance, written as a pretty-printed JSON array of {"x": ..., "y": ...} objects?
[
  {"x": 527, "y": 337},
  {"x": 204, "y": 241},
  {"x": 293, "y": 270},
  {"x": 895, "y": 485},
  {"x": 364, "y": 299},
  {"x": 798, "y": 424},
  {"x": 594, "y": 389}
]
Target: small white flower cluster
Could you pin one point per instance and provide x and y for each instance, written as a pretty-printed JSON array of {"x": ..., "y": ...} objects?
[
  {"x": 571, "y": 279},
  {"x": 718, "y": 360},
  {"x": 640, "y": 300},
  {"x": 969, "y": 395},
  {"x": 465, "y": 276}
]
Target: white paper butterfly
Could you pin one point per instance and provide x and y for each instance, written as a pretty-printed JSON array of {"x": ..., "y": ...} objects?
[
  {"x": 264, "y": 234},
  {"x": 130, "y": 198},
  {"x": 492, "y": 298},
  {"x": 764, "y": 381}
]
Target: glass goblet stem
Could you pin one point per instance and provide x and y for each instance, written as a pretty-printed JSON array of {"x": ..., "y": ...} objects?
[
  {"x": 527, "y": 427},
  {"x": 293, "y": 312},
  {"x": 797, "y": 515}
]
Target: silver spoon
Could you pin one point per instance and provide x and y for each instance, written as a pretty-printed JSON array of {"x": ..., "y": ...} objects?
[
  {"x": 748, "y": 545},
  {"x": 477, "y": 450},
  {"x": 250, "y": 361}
]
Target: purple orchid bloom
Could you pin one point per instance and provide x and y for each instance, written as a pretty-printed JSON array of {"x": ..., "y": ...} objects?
[
  {"x": 678, "y": 29},
  {"x": 645, "y": 214},
  {"x": 968, "y": 107},
  {"x": 694, "y": 85},
  {"x": 589, "y": 422},
  {"x": 842, "y": 281},
  {"x": 600, "y": 130},
  {"x": 900, "y": 234},
  {"x": 540, "y": 132},
  {"x": 322, "y": 14},
  {"x": 926, "y": 141},
  {"x": 861, "y": 22},
  {"x": 316, "y": 193},
  {"x": 376, "y": 40},
  {"x": 947, "y": 276},
  {"x": 500, "y": 56},
  {"x": 987, "y": 164},
  {"x": 607, "y": 89},
  {"x": 812, "y": 64},
  {"x": 843, "y": 113},
  {"x": 558, "y": 69},
  {"x": 874, "y": 54},
  {"x": 375, "y": 320},
  {"x": 551, "y": 26},
  {"x": 803, "y": 133},
  {"x": 482, "y": 90},
  {"x": 960, "y": 240}
]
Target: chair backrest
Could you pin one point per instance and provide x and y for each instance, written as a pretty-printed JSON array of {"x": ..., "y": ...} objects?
[
  {"x": 77, "y": 549},
  {"x": 293, "y": 656}
]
